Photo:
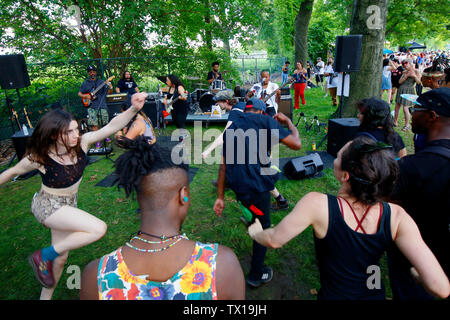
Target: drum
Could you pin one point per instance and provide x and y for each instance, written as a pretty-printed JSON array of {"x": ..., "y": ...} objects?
[
  {"x": 206, "y": 101},
  {"x": 218, "y": 85},
  {"x": 197, "y": 94}
]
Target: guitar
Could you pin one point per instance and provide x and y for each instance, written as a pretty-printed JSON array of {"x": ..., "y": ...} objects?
[
  {"x": 92, "y": 94},
  {"x": 170, "y": 102},
  {"x": 266, "y": 98}
]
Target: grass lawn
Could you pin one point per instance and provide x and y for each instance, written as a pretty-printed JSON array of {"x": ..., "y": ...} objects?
[{"x": 296, "y": 274}]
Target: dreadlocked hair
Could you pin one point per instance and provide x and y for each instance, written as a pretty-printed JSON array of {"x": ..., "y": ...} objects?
[{"x": 141, "y": 159}]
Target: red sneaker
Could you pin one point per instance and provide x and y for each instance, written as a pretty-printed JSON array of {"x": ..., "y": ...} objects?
[{"x": 43, "y": 270}]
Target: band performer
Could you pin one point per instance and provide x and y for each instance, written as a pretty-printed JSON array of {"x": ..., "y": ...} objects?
[{"x": 214, "y": 74}]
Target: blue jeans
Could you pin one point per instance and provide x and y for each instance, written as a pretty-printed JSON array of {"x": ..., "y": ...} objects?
[{"x": 284, "y": 78}]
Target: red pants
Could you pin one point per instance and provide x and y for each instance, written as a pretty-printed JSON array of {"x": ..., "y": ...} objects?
[{"x": 299, "y": 89}]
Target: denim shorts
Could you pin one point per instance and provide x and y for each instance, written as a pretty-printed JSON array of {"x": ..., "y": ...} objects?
[{"x": 45, "y": 204}]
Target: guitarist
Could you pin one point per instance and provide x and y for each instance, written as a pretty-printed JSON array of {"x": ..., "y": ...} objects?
[
  {"x": 98, "y": 106},
  {"x": 265, "y": 88},
  {"x": 180, "y": 107}
]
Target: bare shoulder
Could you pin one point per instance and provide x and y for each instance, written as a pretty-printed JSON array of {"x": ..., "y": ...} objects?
[
  {"x": 230, "y": 280},
  {"x": 88, "y": 290}
]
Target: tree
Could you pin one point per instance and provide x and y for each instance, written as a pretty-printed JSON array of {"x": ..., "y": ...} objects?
[
  {"x": 369, "y": 20},
  {"x": 301, "y": 30}
]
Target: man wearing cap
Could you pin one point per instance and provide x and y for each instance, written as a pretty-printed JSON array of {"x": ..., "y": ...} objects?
[
  {"x": 98, "y": 108},
  {"x": 247, "y": 169},
  {"x": 423, "y": 190},
  {"x": 226, "y": 100}
]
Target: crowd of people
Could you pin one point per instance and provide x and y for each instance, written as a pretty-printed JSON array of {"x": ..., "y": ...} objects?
[{"x": 388, "y": 201}]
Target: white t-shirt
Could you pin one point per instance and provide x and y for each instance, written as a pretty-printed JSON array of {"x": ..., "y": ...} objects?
[
  {"x": 321, "y": 67},
  {"x": 259, "y": 92},
  {"x": 333, "y": 82}
]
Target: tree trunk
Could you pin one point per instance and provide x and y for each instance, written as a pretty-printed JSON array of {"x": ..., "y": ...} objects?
[
  {"x": 369, "y": 19},
  {"x": 301, "y": 31}
]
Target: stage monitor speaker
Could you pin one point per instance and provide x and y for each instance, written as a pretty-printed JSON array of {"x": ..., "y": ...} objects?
[
  {"x": 13, "y": 72},
  {"x": 340, "y": 131},
  {"x": 303, "y": 167},
  {"x": 348, "y": 53},
  {"x": 285, "y": 106},
  {"x": 20, "y": 141}
]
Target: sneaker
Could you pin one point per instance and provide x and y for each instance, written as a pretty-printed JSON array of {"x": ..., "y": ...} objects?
[
  {"x": 43, "y": 270},
  {"x": 265, "y": 277},
  {"x": 281, "y": 204}
]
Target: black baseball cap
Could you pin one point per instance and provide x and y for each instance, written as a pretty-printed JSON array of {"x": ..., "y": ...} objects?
[
  {"x": 256, "y": 104},
  {"x": 437, "y": 100},
  {"x": 91, "y": 68}
]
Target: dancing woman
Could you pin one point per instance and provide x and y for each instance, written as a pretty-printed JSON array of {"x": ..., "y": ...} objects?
[
  {"x": 353, "y": 230},
  {"x": 58, "y": 152}
]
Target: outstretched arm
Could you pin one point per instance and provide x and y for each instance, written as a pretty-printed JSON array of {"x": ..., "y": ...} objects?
[
  {"x": 117, "y": 123},
  {"x": 308, "y": 211},
  {"x": 408, "y": 239},
  {"x": 216, "y": 143},
  {"x": 24, "y": 166}
]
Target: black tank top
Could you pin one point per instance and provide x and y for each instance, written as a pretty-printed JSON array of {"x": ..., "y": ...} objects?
[
  {"x": 63, "y": 176},
  {"x": 345, "y": 255}
]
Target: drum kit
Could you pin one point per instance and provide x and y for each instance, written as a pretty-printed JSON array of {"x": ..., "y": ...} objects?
[{"x": 203, "y": 96}]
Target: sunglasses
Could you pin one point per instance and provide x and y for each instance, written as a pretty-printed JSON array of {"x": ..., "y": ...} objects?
[{"x": 414, "y": 109}]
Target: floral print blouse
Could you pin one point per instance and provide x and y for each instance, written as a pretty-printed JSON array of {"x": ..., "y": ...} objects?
[{"x": 195, "y": 281}]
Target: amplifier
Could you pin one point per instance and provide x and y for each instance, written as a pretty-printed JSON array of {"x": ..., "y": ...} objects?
[
  {"x": 116, "y": 97},
  {"x": 285, "y": 106}
]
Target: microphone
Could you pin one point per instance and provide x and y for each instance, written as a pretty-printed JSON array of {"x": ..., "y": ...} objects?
[{"x": 263, "y": 80}]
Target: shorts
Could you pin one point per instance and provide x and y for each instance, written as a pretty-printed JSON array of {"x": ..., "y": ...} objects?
[
  {"x": 93, "y": 117},
  {"x": 319, "y": 78},
  {"x": 386, "y": 83},
  {"x": 45, "y": 204}
]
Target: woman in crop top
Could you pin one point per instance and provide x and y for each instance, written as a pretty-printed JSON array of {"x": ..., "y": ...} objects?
[
  {"x": 353, "y": 230},
  {"x": 159, "y": 263},
  {"x": 59, "y": 153}
]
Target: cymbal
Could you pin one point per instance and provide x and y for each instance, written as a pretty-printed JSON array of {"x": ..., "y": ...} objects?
[{"x": 193, "y": 78}]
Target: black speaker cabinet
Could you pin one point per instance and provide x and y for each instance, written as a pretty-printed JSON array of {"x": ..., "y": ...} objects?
[
  {"x": 340, "y": 131},
  {"x": 153, "y": 110},
  {"x": 20, "y": 141},
  {"x": 348, "y": 53},
  {"x": 13, "y": 72},
  {"x": 115, "y": 108},
  {"x": 285, "y": 106},
  {"x": 303, "y": 167}
]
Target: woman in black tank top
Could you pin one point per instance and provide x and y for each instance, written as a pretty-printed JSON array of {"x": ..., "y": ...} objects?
[
  {"x": 59, "y": 153},
  {"x": 180, "y": 107},
  {"x": 353, "y": 230}
]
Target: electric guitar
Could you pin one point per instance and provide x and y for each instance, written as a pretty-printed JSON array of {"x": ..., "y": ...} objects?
[
  {"x": 92, "y": 94},
  {"x": 170, "y": 102},
  {"x": 266, "y": 98}
]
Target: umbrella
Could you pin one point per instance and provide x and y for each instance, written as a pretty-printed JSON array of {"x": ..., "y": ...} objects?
[
  {"x": 415, "y": 45},
  {"x": 387, "y": 51}
]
